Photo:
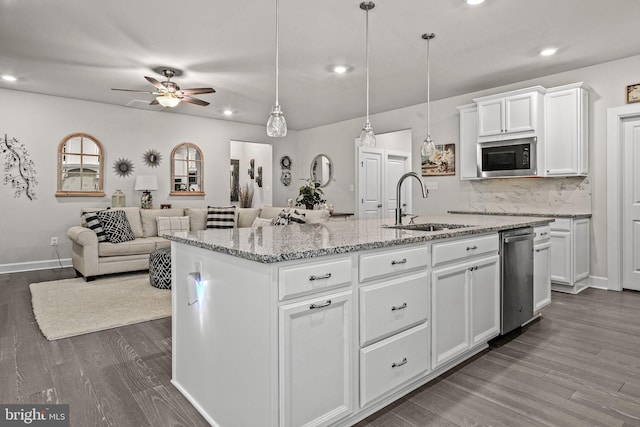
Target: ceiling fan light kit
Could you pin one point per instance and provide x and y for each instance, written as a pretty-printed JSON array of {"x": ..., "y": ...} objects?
[
  {"x": 367, "y": 136},
  {"x": 277, "y": 124}
]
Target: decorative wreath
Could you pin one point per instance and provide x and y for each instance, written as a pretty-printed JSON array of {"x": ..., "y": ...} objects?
[
  {"x": 152, "y": 158},
  {"x": 123, "y": 167}
]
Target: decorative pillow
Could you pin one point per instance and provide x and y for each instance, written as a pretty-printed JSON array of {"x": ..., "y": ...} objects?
[
  {"x": 116, "y": 226},
  {"x": 169, "y": 224},
  {"x": 92, "y": 222},
  {"x": 221, "y": 217},
  {"x": 297, "y": 217},
  {"x": 261, "y": 222},
  {"x": 282, "y": 218}
]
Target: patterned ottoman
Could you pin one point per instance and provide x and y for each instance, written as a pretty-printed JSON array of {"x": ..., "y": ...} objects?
[{"x": 160, "y": 268}]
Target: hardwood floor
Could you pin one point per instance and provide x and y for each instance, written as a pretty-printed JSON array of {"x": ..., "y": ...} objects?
[{"x": 577, "y": 366}]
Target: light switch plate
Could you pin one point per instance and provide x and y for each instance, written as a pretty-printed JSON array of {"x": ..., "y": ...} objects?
[{"x": 431, "y": 185}]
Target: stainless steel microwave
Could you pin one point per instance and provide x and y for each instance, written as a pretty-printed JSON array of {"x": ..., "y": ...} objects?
[{"x": 515, "y": 157}]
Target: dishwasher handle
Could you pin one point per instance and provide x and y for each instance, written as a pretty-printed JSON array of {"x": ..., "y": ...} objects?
[{"x": 519, "y": 238}]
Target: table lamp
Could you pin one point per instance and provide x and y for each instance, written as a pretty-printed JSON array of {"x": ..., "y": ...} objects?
[{"x": 146, "y": 183}]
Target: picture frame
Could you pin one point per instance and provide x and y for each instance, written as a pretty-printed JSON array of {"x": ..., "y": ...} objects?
[
  {"x": 165, "y": 205},
  {"x": 633, "y": 93}
]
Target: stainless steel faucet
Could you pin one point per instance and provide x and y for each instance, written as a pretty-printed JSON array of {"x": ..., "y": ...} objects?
[{"x": 425, "y": 193}]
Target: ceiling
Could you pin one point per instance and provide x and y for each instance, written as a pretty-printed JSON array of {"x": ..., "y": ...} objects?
[{"x": 82, "y": 49}]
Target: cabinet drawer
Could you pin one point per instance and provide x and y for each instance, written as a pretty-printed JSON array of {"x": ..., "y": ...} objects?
[
  {"x": 392, "y": 362},
  {"x": 463, "y": 249},
  {"x": 385, "y": 263},
  {"x": 313, "y": 277},
  {"x": 561, "y": 224},
  {"x": 393, "y": 306},
  {"x": 543, "y": 234}
]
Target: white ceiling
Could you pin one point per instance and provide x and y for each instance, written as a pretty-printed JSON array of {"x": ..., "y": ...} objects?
[{"x": 82, "y": 49}]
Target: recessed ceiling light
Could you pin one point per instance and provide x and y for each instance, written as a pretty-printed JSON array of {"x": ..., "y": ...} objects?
[
  {"x": 548, "y": 51},
  {"x": 228, "y": 113},
  {"x": 340, "y": 69},
  {"x": 9, "y": 78},
  {"x": 474, "y": 2}
]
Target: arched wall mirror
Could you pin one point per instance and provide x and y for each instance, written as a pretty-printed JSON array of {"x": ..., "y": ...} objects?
[
  {"x": 80, "y": 166},
  {"x": 187, "y": 171},
  {"x": 321, "y": 170}
]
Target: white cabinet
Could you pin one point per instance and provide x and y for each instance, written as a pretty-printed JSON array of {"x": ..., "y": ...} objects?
[
  {"x": 315, "y": 360},
  {"x": 468, "y": 141},
  {"x": 541, "y": 268},
  {"x": 570, "y": 255},
  {"x": 484, "y": 285},
  {"x": 510, "y": 115},
  {"x": 566, "y": 128}
]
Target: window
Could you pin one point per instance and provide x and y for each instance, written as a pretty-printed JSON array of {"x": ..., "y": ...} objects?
[
  {"x": 187, "y": 171},
  {"x": 80, "y": 166}
]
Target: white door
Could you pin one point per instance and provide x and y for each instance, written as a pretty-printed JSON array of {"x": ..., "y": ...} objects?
[
  {"x": 561, "y": 264},
  {"x": 370, "y": 181},
  {"x": 485, "y": 299},
  {"x": 631, "y": 206},
  {"x": 397, "y": 164},
  {"x": 491, "y": 117},
  {"x": 519, "y": 110},
  {"x": 541, "y": 276}
]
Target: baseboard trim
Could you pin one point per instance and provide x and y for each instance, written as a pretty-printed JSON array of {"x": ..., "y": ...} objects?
[
  {"x": 600, "y": 283},
  {"x": 35, "y": 265}
]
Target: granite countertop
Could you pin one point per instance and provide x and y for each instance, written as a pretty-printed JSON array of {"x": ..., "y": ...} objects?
[
  {"x": 573, "y": 215},
  {"x": 284, "y": 243}
]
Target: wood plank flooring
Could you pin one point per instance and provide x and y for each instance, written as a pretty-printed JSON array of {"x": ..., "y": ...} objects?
[{"x": 577, "y": 366}]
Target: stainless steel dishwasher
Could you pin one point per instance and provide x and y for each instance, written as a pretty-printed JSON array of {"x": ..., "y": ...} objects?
[{"x": 516, "y": 278}]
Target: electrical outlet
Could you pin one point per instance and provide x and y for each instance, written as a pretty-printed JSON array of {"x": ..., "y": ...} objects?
[
  {"x": 431, "y": 185},
  {"x": 199, "y": 267},
  {"x": 54, "y": 241}
]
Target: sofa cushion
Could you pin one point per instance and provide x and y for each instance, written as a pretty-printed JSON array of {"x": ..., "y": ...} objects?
[
  {"x": 261, "y": 222},
  {"x": 316, "y": 216},
  {"x": 148, "y": 219},
  {"x": 169, "y": 224},
  {"x": 92, "y": 222},
  {"x": 160, "y": 242},
  {"x": 197, "y": 218},
  {"x": 131, "y": 247},
  {"x": 116, "y": 225},
  {"x": 270, "y": 212},
  {"x": 221, "y": 216},
  {"x": 247, "y": 216}
]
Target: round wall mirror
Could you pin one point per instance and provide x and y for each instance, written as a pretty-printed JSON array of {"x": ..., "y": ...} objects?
[{"x": 321, "y": 170}]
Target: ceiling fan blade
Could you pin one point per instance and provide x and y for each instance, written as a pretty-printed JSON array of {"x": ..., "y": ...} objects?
[
  {"x": 133, "y": 90},
  {"x": 196, "y": 91},
  {"x": 156, "y": 83},
  {"x": 196, "y": 101},
  {"x": 154, "y": 101}
]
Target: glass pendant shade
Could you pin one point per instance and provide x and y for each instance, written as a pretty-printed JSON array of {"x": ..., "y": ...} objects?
[
  {"x": 168, "y": 101},
  {"x": 277, "y": 124},
  {"x": 367, "y": 137},
  {"x": 428, "y": 148}
]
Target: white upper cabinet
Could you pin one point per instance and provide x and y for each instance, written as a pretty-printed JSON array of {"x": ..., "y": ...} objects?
[
  {"x": 566, "y": 140},
  {"x": 468, "y": 141},
  {"x": 510, "y": 115}
]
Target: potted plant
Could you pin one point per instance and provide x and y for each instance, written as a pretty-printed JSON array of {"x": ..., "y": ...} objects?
[{"x": 310, "y": 195}]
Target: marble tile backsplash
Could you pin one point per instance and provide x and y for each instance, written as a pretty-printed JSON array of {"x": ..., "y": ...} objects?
[{"x": 531, "y": 195}]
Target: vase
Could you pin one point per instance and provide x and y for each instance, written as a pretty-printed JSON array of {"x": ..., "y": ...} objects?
[
  {"x": 118, "y": 199},
  {"x": 309, "y": 207}
]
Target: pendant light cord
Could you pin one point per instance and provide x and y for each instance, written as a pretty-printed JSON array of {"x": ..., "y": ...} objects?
[
  {"x": 367, "y": 59},
  {"x": 428, "y": 90},
  {"x": 277, "y": 49}
]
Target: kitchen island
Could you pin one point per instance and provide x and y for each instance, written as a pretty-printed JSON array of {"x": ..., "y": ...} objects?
[{"x": 324, "y": 324}]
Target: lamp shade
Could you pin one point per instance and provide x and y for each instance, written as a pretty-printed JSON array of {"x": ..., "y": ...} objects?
[
  {"x": 146, "y": 183},
  {"x": 168, "y": 101}
]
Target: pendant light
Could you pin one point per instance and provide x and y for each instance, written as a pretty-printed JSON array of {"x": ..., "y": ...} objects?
[
  {"x": 367, "y": 137},
  {"x": 428, "y": 148},
  {"x": 277, "y": 125}
]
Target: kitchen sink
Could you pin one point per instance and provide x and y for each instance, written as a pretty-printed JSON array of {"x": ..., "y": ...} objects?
[{"x": 429, "y": 227}]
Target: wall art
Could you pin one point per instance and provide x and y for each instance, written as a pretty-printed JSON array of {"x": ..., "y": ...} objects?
[
  {"x": 19, "y": 170},
  {"x": 633, "y": 93},
  {"x": 123, "y": 167},
  {"x": 152, "y": 158},
  {"x": 259, "y": 177},
  {"x": 442, "y": 162},
  {"x": 235, "y": 180},
  {"x": 252, "y": 168}
]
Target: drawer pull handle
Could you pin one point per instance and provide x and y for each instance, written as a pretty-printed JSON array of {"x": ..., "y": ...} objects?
[
  {"x": 402, "y": 261},
  {"x": 396, "y": 365},
  {"x": 396, "y": 308},
  {"x": 474, "y": 268},
  {"x": 538, "y": 250},
  {"x": 544, "y": 234},
  {"x": 471, "y": 248},
  {"x": 327, "y": 303},
  {"x": 326, "y": 276}
]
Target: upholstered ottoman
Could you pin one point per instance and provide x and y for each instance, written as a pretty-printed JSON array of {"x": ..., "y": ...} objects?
[{"x": 160, "y": 268}]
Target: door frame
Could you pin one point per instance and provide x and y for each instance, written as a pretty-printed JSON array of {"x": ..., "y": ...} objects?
[{"x": 615, "y": 135}]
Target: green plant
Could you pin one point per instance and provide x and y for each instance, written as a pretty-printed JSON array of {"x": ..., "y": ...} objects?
[{"x": 310, "y": 195}]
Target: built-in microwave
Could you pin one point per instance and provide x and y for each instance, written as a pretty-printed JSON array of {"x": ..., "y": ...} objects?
[{"x": 515, "y": 157}]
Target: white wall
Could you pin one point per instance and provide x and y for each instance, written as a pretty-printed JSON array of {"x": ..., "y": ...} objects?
[
  {"x": 263, "y": 157},
  {"x": 608, "y": 82},
  {"x": 41, "y": 122}
]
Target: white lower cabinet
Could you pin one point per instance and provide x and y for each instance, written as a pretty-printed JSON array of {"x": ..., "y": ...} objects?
[
  {"x": 541, "y": 268},
  {"x": 570, "y": 255},
  {"x": 315, "y": 360},
  {"x": 465, "y": 308}
]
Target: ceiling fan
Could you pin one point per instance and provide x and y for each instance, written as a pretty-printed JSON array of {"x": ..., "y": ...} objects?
[{"x": 170, "y": 94}]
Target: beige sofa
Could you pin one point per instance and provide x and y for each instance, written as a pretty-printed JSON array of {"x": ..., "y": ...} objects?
[{"x": 92, "y": 258}]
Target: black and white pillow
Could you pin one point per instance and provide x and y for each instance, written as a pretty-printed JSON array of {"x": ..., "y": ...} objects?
[
  {"x": 116, "y": 226},
  {"x": 93, "y": 223},
  {"x": 282, "y": 218},
  {"x": 221, "y": 217},
  {"x": 296, "y": 217}
]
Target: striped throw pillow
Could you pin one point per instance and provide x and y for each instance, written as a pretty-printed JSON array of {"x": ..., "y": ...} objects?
[
  {"x": 93, "y": 223},
  {"x": 221, "y": 216}
]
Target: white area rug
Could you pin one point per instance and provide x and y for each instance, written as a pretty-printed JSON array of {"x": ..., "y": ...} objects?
[{"x": 65, "y": 308}]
